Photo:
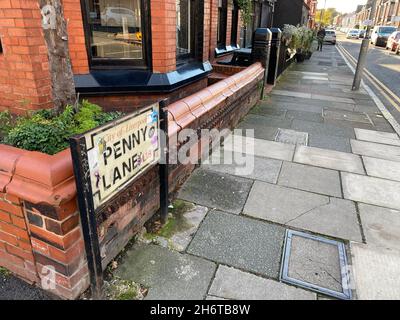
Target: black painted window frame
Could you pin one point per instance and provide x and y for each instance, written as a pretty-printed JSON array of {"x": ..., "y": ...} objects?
[
  {"x": 110, "y": 63},
  {"x": 222, "y": 24},
  {"x": 235, "y": 24},
  {"x": 197, "y": 32}
]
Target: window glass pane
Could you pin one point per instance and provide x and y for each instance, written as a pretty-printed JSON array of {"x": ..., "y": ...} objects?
[
  {"x": 116, "y": 30},
  {"x": 183, "y": 28}
]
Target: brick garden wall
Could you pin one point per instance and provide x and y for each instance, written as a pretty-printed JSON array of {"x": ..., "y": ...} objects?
[{"x": 39, "y": 220}]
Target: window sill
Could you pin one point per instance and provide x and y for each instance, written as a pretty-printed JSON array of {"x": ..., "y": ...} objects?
[
  {"x": 228, "y": 49},
  {"x": 103, "y": 82}
]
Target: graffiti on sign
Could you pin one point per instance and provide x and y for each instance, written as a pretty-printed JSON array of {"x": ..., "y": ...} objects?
[{"x": 117, "y": 153}]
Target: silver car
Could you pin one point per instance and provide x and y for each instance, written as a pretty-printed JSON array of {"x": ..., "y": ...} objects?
[{"x": 330, "y": 36}]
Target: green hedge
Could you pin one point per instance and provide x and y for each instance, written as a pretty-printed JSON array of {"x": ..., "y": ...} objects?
[{"x": 49, "y": 133}]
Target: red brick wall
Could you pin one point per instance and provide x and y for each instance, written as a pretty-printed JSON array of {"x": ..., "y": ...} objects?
[
  {"x": 163, "y": 34},
  {"x": 15, "y": 246},
  {"x": 24, "y": 70},
  {"x": 76, "y": 36}
]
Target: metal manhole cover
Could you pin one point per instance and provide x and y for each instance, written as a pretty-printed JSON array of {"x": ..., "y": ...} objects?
[
  {"x": 291, "y": 137},
  {"x": 316, "y": 263}
]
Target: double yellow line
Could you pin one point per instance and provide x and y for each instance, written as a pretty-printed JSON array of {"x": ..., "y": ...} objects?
[{"x": 389, "y": 95}]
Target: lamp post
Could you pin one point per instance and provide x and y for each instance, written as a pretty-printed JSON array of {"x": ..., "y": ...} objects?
[{"x": 362, "y": 57}]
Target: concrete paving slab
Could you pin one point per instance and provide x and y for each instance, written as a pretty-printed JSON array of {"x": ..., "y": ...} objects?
[
  {"x": 331, "y": 98},
  {"x": 259, "y": 147},
  {"x": 315, "y": 262},
  {"x": 329, "y": 159},
  {"x": 270, "y": 121},
  {"x": 315, "y": 78},
  {"x": 260, "y": 131},
  {"x": 346, "y": 116},
  {"x": 291, "y": 94},
  {"x": 249, "y": 166},
  {"x": 291, "y": 137},
  {"x": 216, "y": 190},
  {"x": 377, "y": 136},
  {"x": 239, "y": 242},
  {"x": 310, "y": 178},
  {"x": 382, "y": 168},
  {"x": 381, "y": 226},
  {"x": 304, "y": 210},
  {"x": 329, "y": 142},
  {"x": 191, "y": 219},
  {"x": 305, "y": 115},
  {"x": 376, "y": 272},
  {"x": 322, "y": 128},
  {"x": 169, "y": 275},
  {"x": 214, "y": 298},
  {"x": 371, "y": 190},
  {"x": 234, "y": 284},
  {"x": 269, "y": 111}
]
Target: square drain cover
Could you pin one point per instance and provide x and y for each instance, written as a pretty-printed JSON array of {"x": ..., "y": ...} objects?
[
  {"x": 316, "y": 263},
  {"x": 291, "y": 137}
]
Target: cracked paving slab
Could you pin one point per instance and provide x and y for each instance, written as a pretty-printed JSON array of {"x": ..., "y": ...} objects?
[
  {"x": 305, "y": 210},
  {"x": 168, "y": 274}
]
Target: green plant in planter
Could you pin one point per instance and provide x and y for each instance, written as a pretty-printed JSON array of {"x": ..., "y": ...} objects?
[
  {"x": 291, "y": 36},
  {"x": 47, "y": 132},
  {"x": 5, "y": 124}
]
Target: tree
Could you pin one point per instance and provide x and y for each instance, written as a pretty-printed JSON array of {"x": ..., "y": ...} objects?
[
  {"x": 56, "y": 38},
  {"x": 327, "y": 16}
]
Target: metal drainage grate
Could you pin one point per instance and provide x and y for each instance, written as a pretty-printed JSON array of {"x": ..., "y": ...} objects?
[{"x": 316, "y": 263}]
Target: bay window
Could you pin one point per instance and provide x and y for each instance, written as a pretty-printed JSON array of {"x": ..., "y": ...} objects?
[{"x": 115, "y": 32}]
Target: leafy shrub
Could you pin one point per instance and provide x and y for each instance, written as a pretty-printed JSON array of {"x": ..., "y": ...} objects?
[
  {"x": 5, "y": 124},
  {"x": 47, "y": 132}
]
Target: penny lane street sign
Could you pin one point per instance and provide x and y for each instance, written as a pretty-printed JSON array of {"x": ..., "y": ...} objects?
[
  {"x": 120, "y": 151},
  {"x": 108, "y": 159}
]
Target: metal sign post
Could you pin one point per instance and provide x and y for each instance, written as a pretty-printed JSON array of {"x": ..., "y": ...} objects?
[
  {"x": 88, "y": 216},
  {"x": 164, "y": 160},
  {"x": 106, "y": 161}
]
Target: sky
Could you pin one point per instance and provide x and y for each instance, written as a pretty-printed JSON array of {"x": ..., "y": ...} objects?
[{"x": 343, "y": 6}]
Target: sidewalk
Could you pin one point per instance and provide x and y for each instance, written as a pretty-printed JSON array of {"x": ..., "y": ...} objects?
[{"x": 327, "y": 163}]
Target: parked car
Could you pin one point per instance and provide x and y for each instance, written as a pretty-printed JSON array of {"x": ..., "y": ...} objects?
[
  {"x": 393, "y": 41},
  {"x": 113, "y": 17},
  {"x": 353, "y": 34},
  {"x": 362, "y": 34},
  {"x": 330, "y": 36},
  {"x": 380, "y": 35}
]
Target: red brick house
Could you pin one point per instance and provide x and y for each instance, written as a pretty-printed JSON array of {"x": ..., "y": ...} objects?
[{"x": 124, "y": 53}]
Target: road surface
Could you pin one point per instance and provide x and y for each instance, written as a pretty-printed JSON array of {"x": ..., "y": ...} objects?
[{"x": 383, "y": 71}]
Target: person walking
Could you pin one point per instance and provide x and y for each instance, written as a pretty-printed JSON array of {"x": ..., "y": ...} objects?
[{"x": 321, "y": 36}]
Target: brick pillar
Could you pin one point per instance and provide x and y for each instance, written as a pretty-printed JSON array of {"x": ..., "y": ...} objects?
[
  {"x": 163, "y": 32},
  {"x": 24, "y": 71},
  {"x": 207, "y": 27},
  {"x": 213, "y": 28},
  {"x": 43, "y": 187},
  {"x": 76, "y": 36},
  {"x": 15, "y": 248},
  {"x": 229, "y": 23}
]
